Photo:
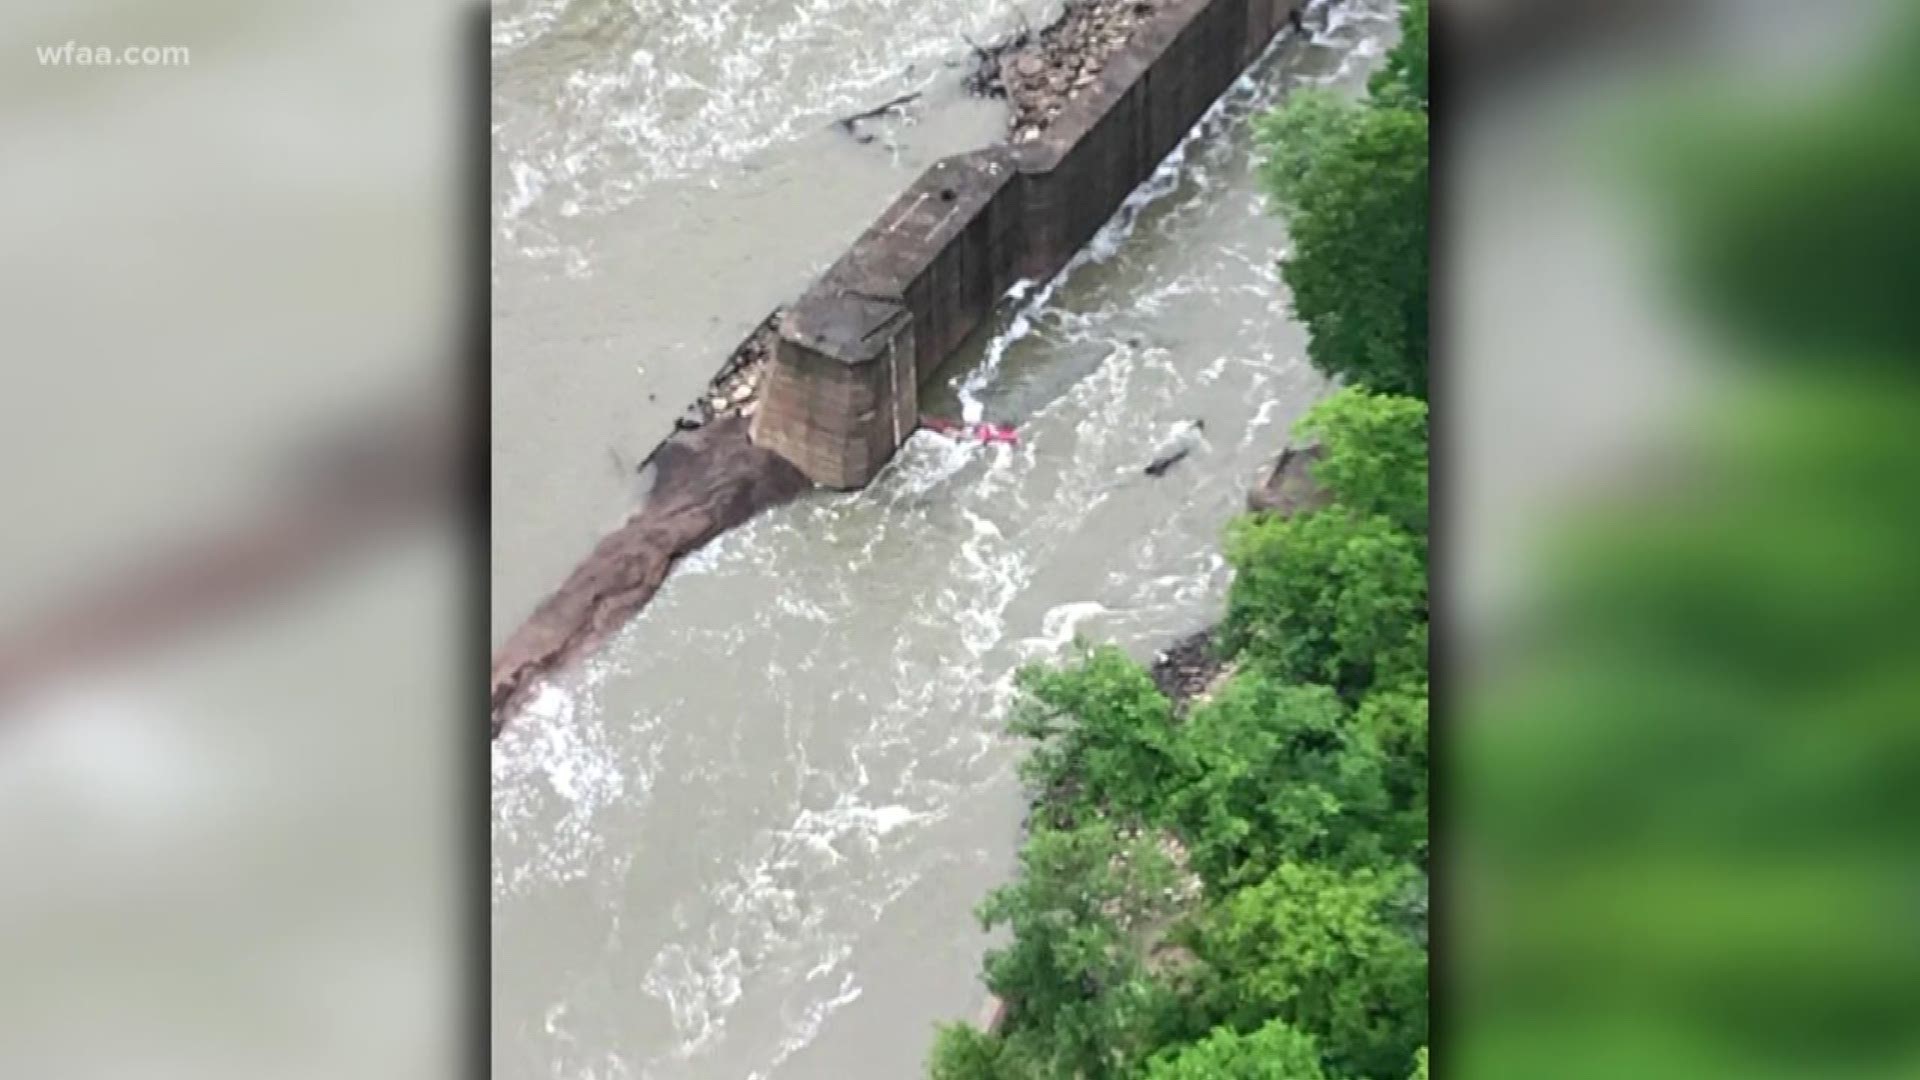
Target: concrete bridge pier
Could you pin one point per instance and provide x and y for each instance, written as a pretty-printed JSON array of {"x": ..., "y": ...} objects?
[{"x": 841, "y": 392}]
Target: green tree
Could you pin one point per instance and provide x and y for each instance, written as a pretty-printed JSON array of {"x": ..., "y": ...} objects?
[
  {"x": 1081, "y": 1000},
  {"x": 1301, "y": 789},
  {"x": 1295, "y": 137},
  {"x": 1394, "y": 724},
  {"x": 964, "y": 1052},
  {"x": 1328, "y": 952},
  {"x": 1277, "y": 1051},
  {"x": 1375, "y": 454},
  {"x": 1104, "y": 733},
  {"x": 1281, "y": 773},
  {"x": 1358, "y": 271},
  {"x": 1402, "y": 81},
  {"x": 1331, "y": 597}
]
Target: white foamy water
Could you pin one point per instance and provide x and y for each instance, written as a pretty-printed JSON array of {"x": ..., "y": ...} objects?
[
  {"x": 747, "y": 843},
  {"x": 597, "y": 102}
]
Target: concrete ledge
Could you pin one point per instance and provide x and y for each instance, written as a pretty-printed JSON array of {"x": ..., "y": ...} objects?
[
  {"x": 841, "y": 394},
  {"x": 838, "y": 401}
]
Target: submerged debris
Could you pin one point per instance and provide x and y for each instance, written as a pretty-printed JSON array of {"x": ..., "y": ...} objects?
[
  {"x": 850, "y": 124},
  {"x": 1189, "y": 439},
  {"x": 1158, "y": 466}
]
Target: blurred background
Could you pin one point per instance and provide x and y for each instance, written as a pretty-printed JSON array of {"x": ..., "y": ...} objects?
[
  {"x": 1680, "y": 425},
  {"x": 241, "y": 635},
  {"x": 231, "y": 839}
]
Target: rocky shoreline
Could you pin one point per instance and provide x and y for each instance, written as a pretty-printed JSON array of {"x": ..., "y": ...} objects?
[
  {"x": 1039, "y": 71},
  {"x": 735, "y": 391},
  {"x": 1189, "y": 669}
]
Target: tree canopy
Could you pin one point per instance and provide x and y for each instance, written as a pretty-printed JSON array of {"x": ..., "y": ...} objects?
[
  {"x": 1329, "y": 952},
  {"x": 1358, "y": 270},
  {"x": 1375, "y": 454},
  {"x": 1350, "y": 178},
  {"x": 1279, "y": 772},
  {"x": 1334, "y": 597},
  {"x": 1278, "y": 1051},
  {"x": 1402, "y": 82},
  {"x": 1086, "y": 1005}
]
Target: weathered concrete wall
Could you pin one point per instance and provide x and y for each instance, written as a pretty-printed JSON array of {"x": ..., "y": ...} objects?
[
  {"x": 838, "y": 401},
  {"x": 840, "y": 395}
]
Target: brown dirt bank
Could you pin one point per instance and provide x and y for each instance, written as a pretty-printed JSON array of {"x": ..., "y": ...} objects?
[
  {"x": 1192, "y": 668},
  {"x": 706, "y": 482},
  {"x": 708, "y": 477}
]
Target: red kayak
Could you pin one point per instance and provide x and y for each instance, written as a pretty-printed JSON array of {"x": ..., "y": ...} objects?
[{"x": 986, "y": 433}]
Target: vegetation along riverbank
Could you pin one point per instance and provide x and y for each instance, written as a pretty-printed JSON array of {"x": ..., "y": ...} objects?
[{"x": 1234, "y": 886}]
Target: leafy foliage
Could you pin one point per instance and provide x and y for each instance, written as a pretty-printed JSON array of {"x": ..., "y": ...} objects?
[
  {"x": 1402, "y": 82},
  {"x": 1104, "y": 737},
  {"x": 1299, "y": 792},
  {"x": 1358, "y": 272},
  {"x": 964, "y": 1052},
  {"x": 1393, "y": 724},
  {"x": 1277, "y": 1051},
  {"x": 1084, "y": 1003},
  {"x": 1328, "y": 952},
  {"x": 1280, "y": 773},
  {"x": 1338, "y": 595},
  {"x": 1351, "y": 180},
  {"x": 1293, "y": 139},
  {"x": 1332, "y": 597},
  {"x": 1375, "y": 454}
]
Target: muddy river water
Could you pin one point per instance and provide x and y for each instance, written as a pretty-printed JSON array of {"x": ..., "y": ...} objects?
[{"x": 746, "y": 840}]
